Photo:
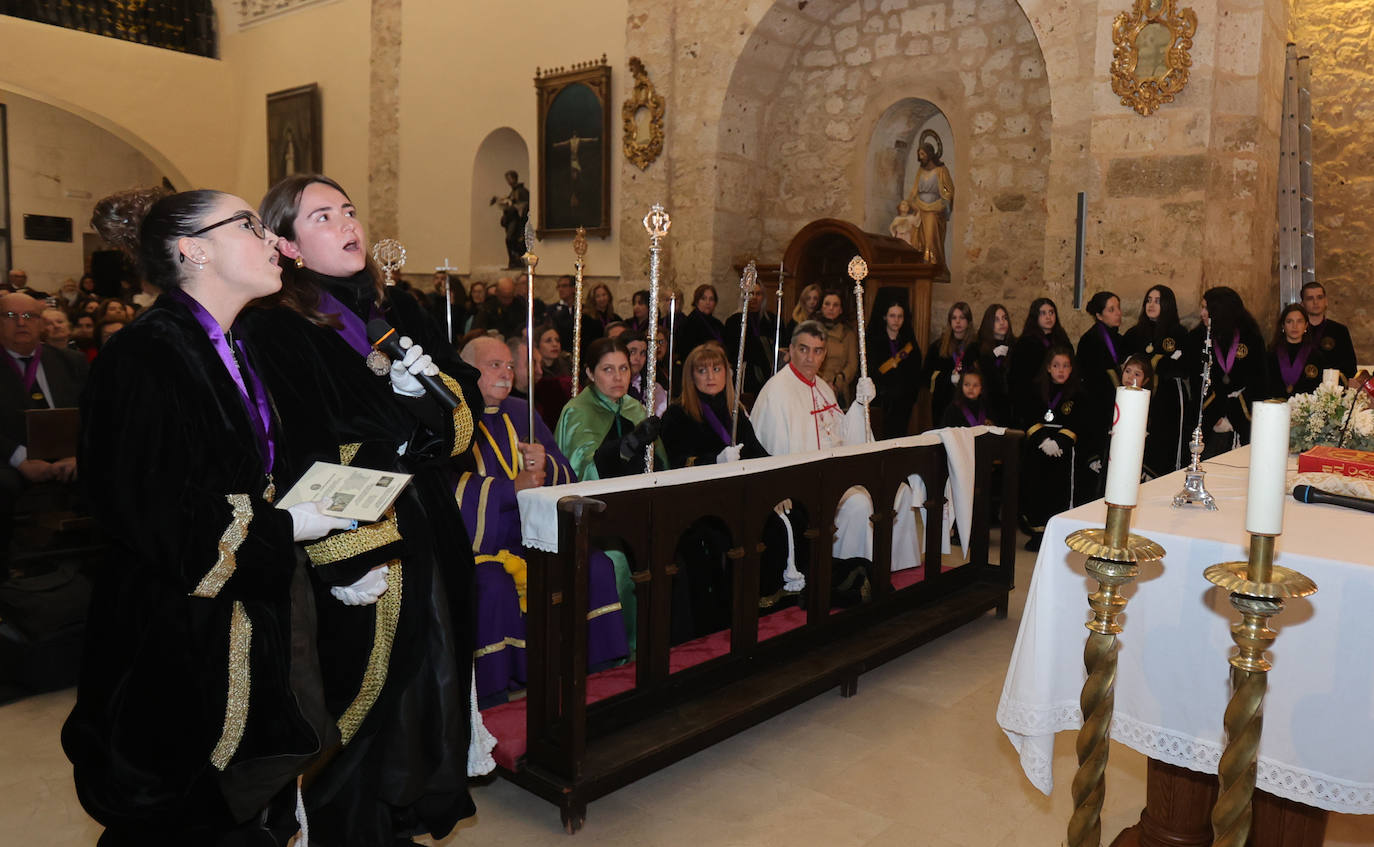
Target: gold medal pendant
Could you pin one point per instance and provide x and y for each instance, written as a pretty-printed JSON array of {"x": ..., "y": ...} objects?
[{"x": 378, "y": 363}]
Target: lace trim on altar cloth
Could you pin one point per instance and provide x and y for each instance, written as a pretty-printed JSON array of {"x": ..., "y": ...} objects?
[{"x": 1031, "y": 731}]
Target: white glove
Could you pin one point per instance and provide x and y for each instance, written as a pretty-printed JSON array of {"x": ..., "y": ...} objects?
[
  {"x": 1000, "y": 350},
  {"x": 729, "y": 454},
  {"x": 309, "y": 522},
  {"x": 1095, "y": 466},
  {"x": 864, "y": 391},
  {"x": 365, "y": 591},
  {"x": 1178, "y": 354},
  {"x": 403, "y": 373},
  {"x": 1051, "y": 448},
  {"x": 1223, "y": 425}
]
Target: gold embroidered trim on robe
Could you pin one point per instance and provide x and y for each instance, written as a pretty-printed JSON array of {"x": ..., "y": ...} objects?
[
  {"x": 229, "y": 544},
  {"x": 498, "y": 646},
  {"x": 354, "y": 542},
  {"x": 604, "y": 610},
  {"x": 482, "y": 493},
  {"x": 462, "y": 417},
  {"x": 347, "y": 452},
  {"x": 388, "y": 609},
  {"x": 240, "y": 687}
]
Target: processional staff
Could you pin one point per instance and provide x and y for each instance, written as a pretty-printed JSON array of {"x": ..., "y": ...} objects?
[
  {"x": 391, "y": 256},
  {"x": 748, "y": 281},
  {"x": 777, "y": 321},
  {"x": 858, "y": 269},
  {"x": 447, "y": 271},
  {"x": 656, "y": 223},
  {"x": 531, "y": 261},
  {"x": 579, "y": 248}
]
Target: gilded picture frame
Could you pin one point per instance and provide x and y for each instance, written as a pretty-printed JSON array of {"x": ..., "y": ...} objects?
[
  {"x": 1151, "y": 60},
  {"x": 642, "y": 119},
  {"x": 294, "y": 135},
  {"x": 574, "y": 150}
]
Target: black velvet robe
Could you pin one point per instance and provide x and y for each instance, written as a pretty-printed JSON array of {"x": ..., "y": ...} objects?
[
  {"x": 1309, "y": 377},
  {"x": 937, "y": 373},
  {"x": 1099, "y": 367},
  {"x": 1333, "y": 339},
  {"x": 897, "y": 378},
  {"x": 996, "y": 371},
  {"x": 1173, "y": 411},
  {"x": 758, "y": 348},
  {"x": 172, "y": 466},
  {"x": 697, "y": 329},
  {"x": 405, "y": 770},
  {"x": 1027, "y": 360},
  {"x": 1047, "y": 482},
  {"x": 1246, "y": 380},
  {"x": 690, "y": 442}
]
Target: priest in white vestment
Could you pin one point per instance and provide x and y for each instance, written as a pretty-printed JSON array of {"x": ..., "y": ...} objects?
[{"x": 796, "y": 412}]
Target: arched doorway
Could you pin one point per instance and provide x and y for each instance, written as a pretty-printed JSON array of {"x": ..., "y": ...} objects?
[{"x": 502, "y": 150}]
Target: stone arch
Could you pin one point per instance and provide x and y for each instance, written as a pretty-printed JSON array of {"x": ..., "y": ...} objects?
[
  {"x": 502, "y": 150},
  {"x": 810, "y": 87}
]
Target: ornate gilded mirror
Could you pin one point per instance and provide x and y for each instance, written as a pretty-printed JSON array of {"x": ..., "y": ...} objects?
[
  {"x": 642, "y": 116},
  {"x": 1151, "y": 61}
]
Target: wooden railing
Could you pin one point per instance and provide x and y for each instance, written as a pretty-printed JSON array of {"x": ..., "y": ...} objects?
[
  {"x": 187, "y": 26},
  {"x": 578, "y": 752}
]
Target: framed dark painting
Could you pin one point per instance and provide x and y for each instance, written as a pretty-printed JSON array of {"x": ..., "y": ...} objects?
[
  {"x": 294, "y": 138},
  {"x": 574, "y": 150}
]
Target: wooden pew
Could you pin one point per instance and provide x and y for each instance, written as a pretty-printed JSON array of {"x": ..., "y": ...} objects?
[{"x": 578, "y": 752}]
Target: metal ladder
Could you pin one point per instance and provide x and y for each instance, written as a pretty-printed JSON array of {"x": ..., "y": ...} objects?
[{"x": 1297, "y": 249}]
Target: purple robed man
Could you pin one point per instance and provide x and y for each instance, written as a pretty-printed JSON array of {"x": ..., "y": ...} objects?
[{"x": 503, "y": 461}]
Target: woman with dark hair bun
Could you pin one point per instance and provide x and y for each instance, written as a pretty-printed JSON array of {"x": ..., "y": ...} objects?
[
  {"x": 398, "y": 674},
  {"x": 1100, "y": 352},
  {"x": 1039, "y": 333},
  {"x": 1159, "y": 338},
  {"x": 1237, "y": 369},
  {"x": 199, "y": 703}
]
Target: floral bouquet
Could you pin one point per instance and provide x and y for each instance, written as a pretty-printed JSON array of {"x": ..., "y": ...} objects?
[{"x": 1319, "y": 418}]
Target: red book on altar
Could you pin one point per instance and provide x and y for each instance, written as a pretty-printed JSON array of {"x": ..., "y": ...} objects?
[{"x": 1337, "y": 460}]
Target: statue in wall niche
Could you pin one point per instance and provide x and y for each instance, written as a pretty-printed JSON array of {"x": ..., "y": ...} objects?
[
  {"x": 932, "y": 196},
  {"x": 515, "y": 212},
  {"x": 905, "y": 224}
]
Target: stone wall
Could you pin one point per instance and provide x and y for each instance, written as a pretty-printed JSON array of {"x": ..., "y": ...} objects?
[{"x": 1339, "y": 36}]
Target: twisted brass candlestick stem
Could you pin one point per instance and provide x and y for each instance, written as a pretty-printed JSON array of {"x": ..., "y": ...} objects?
[
  {"x": 1258, "y": 588},
  {"x": 1114, "y": 557}
]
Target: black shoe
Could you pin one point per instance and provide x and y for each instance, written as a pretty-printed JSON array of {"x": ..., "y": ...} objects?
[{"x": 1033, "y": 543}]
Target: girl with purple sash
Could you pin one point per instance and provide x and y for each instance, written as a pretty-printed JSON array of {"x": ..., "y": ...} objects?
[
  {"x": 1040, "y": 331},
  {"x": 1295, "y": 362},
  {"x": 1238, "y": 370},
  {"x": 969, "y": 407},
  {"x": 949, "y": 356},
  {"x": 199, "y": 703}
]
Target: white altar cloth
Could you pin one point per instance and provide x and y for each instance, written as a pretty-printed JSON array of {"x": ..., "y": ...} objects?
[{"x": 1172, "y": 682}]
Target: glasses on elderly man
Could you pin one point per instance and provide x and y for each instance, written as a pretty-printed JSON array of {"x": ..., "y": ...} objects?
[
  {"x": 14, "y": 316},
  {"x": 251, "y": 222}
]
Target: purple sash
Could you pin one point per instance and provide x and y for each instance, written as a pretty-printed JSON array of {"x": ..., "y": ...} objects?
[
  {"x": 354, "y": 331},
  {"x": 980, "y": 418},
  {"x": 1055, "y": 401},
  {"x": 254, "y": 401},
  {"x": 30, "y": 372},
  {"x": 710, "y": 417},
  {"x": 1291, "y": 369},
  {"x": 1107, "y": 339},
  {"x": 1230, "y": 359}
]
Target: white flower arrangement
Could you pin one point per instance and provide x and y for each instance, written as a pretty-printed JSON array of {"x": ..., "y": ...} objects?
[{"x": 1318, "y": 419}]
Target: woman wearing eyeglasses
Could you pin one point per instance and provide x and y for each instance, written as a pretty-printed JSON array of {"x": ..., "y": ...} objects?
[
  {"x": 196, "y": 708},
  {"x": 403, "y": 768}
]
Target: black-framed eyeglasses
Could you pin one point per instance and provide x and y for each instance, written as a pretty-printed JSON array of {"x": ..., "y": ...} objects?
[{"x": 254, "y": 223}]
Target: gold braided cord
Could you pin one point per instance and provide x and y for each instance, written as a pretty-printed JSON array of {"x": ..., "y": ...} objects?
[
  {"x": 388, "y": 611},
  {"x": 347, "y": 452},
  {"x": 604, "y": 610},
  {"x": 240, "y": 687},
  {"x": 462, "y": 417},
  {"x": 229, "y": 543},
  {"x": 354, "y": 542}
]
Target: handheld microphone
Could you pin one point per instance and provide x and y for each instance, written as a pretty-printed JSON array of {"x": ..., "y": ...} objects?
[
  {"x": 1308, "y": 494},
  {"x": 385, "y": 338}
]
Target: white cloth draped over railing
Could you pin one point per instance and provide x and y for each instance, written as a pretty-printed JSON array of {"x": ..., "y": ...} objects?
[{"x": 539, "y": 506}]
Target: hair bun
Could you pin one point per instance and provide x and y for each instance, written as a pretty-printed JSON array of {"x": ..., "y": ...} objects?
[{"x": 119, "y": 217}]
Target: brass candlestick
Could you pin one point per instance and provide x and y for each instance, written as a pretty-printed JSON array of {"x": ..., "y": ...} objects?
[
  {"x": 1258, "y": 588},
  {"x": 1114, "y": 557}
]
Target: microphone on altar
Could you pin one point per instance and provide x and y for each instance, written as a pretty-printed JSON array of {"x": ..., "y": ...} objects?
[
  {"x": 1309, "y": 494},
  {"x": 385, "y": 338}
]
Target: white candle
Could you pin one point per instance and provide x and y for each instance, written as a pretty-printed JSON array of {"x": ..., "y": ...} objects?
[
  {"x": 1331, "y": 378},
  {"x": 1128, "y": 445},
  {"x": 1268, "y": 467}
]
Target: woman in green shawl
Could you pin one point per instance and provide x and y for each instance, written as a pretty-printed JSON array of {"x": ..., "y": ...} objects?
[{"x": 602, "y": 430}]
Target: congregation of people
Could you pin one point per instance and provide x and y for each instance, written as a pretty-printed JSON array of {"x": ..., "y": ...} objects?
[{"x": 358, "y": 656}]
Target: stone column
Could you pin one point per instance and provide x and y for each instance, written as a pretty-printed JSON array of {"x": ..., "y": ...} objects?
[{"x": 383, "y": 137}]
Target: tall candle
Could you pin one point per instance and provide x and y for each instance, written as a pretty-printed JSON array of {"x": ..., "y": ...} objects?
[
  {"x": 1268, "y": 467},
  {"x": 1128, "y": 445}
]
